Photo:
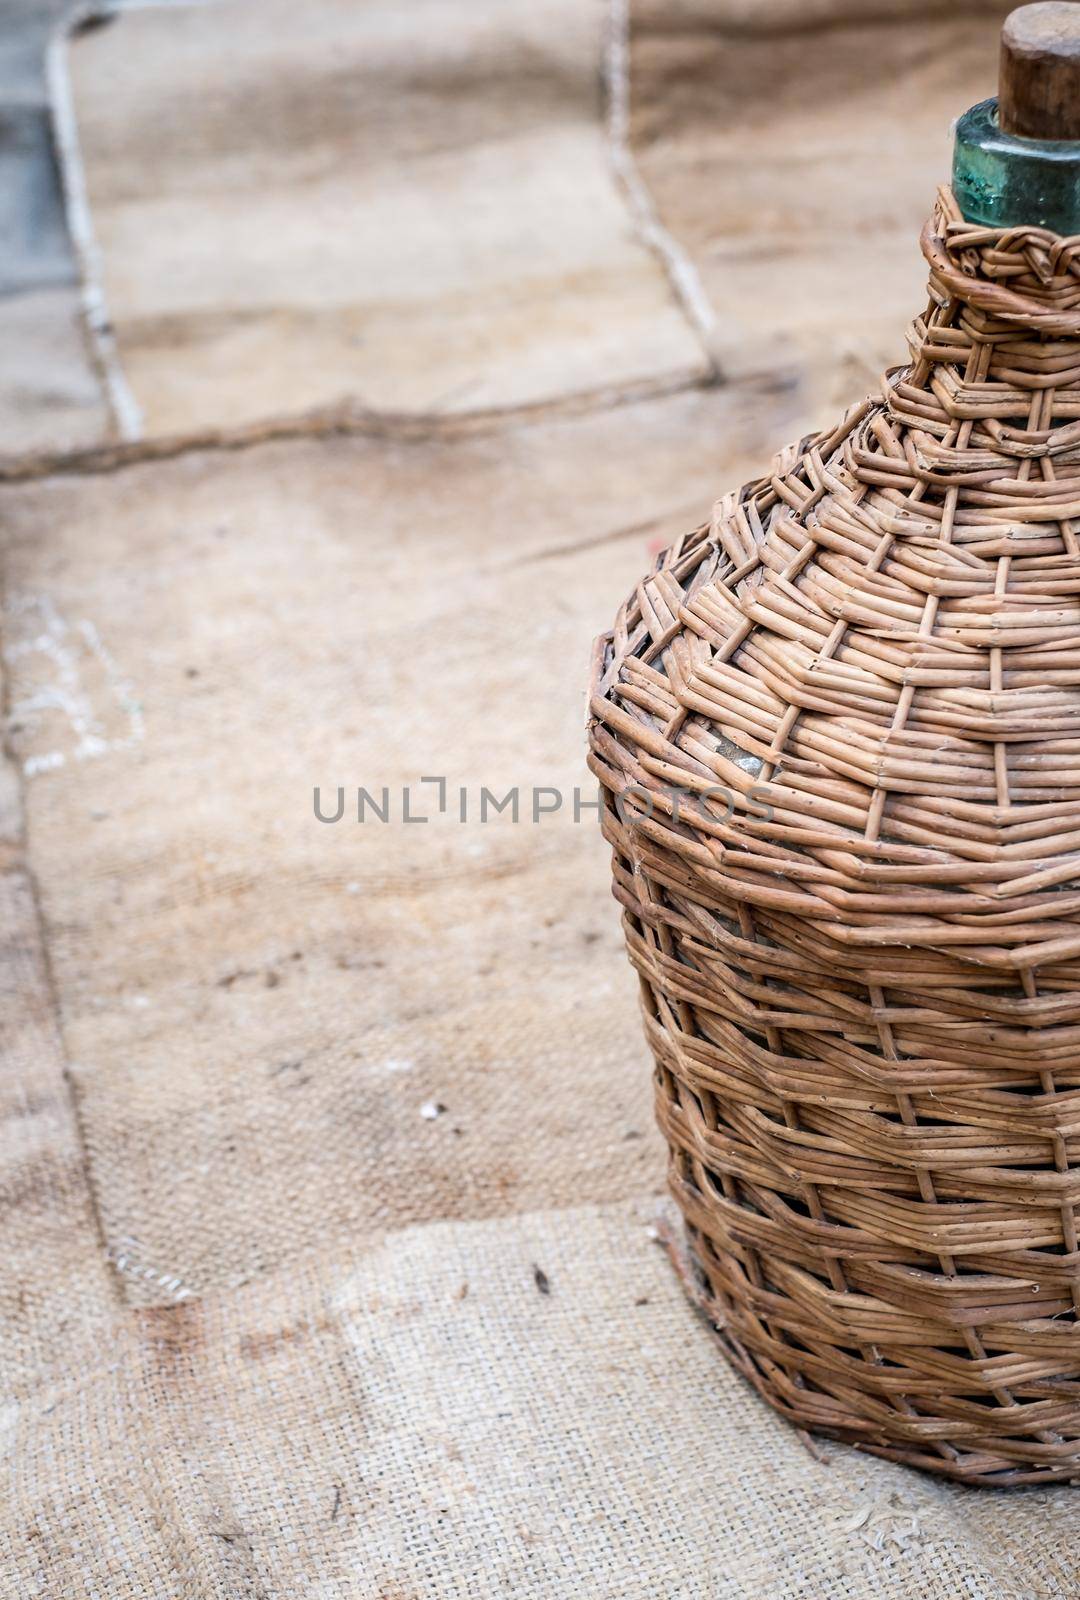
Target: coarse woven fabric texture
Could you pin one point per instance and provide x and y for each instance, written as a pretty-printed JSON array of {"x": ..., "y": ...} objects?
[
  {"x": 522, "y": 1408},
  {"x": 410, "y": 207},
  {"x": 250, "y": 1354},
  {"x": 779, "y": 136},
  {"x": 257, "y": 1004},
  {"x": 243, "y": 188}
]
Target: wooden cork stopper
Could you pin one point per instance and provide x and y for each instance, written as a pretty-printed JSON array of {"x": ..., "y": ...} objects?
[{"x": 1039, "y": 75}]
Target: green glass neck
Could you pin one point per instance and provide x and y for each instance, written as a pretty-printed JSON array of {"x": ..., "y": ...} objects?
[{"x": 1003, "y": 181}]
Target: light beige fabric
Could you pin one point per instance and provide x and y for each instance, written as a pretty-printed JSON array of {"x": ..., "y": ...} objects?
[
  {"x": 416, "y": 209},
  {"x": 794, "y": 150},
  {"x": 294, "y": 1377},
  {"x": 55, "y": 1289},
  {"x": 256, "y": 1004},
  {"x": 410, "y": 206},
  {"x": 415, "y": 1420}
]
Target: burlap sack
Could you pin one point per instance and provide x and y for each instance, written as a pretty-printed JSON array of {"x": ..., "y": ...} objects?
[
  {"x": 793, "y": 148},
  {"x": 257, "y": 1004},
  {"x": 250, "y": 1356},
  {"x": 411, "y": 207}
]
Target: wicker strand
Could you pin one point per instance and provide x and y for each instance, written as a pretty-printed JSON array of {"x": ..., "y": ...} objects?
[{"x": 861, "y": 978}]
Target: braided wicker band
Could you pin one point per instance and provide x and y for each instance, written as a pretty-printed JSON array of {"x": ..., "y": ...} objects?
[{"x": 861, "y": 985}]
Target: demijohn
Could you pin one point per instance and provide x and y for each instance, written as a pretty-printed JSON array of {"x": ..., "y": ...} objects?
[{"x": 838, "y": 731}]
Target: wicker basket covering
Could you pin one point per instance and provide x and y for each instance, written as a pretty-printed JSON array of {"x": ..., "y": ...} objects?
[{"x": 861, "y": 984}]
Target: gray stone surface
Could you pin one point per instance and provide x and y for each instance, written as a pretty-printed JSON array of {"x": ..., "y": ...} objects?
[
  {"x": 50, "y": 396},
  {"x": 34, "y": 248}
]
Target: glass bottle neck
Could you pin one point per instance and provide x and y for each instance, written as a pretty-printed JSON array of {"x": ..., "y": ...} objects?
[{"x": 1004, "y": 181}]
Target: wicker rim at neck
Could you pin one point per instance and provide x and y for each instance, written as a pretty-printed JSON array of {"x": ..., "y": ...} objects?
[{"x": 1025, "y": 277}]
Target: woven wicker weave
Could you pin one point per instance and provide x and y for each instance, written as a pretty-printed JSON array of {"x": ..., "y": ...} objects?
[{"x": 862, "y": 990}]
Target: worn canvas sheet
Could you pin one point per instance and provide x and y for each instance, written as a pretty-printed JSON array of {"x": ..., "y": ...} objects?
[
  {"x": 257, "y": 1004},
  {"x": 279, "y": 1330},
  {"x": 411, "y": 207},
  {"x": 793, "y": 147},
  {"x": 416, "y": 1420},
  {"x": 259, "y": 176}
]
